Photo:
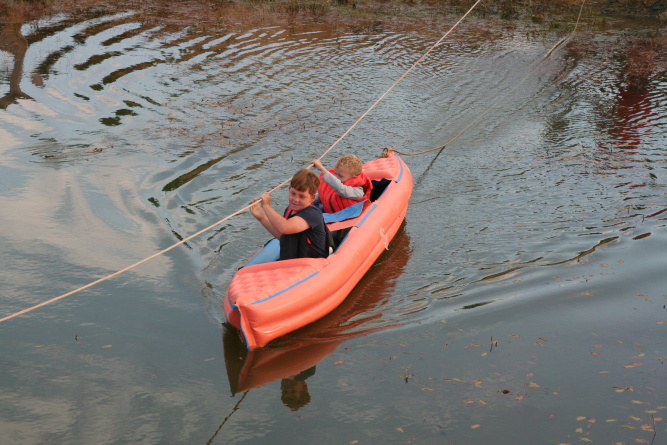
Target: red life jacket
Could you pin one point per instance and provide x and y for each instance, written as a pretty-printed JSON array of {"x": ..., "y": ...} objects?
[{"x": 333, "y": 202}]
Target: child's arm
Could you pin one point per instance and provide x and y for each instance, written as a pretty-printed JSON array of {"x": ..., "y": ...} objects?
[
  {"x": 346, "y": 191},
  {"x": 280, "y": 224},
  {"x": 259, "y": 213}
]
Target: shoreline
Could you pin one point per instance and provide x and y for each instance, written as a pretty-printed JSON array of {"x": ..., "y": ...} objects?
[{"x": 212, "y": 14}]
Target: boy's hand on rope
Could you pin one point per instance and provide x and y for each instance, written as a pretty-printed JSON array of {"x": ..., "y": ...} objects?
[
  {"x": 266, "y": 199},
  {"x": 256, "y": 210},
  {"x": 318, "y": 165}
]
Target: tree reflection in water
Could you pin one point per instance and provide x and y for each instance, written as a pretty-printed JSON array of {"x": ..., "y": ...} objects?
[{"x": 13, "y": 42}]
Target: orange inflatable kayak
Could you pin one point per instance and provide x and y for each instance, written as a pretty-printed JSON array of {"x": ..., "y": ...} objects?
[{"x": 268, "y": 300}]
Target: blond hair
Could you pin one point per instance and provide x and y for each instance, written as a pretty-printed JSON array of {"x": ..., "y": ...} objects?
[{"x": 351, "y": 162}]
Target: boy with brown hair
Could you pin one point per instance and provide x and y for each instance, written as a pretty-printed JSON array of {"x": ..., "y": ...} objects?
[{"x": 301, "y": 230}]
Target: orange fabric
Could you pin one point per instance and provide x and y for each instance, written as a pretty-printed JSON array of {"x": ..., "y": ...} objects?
[{"x": 333, "y": 202}]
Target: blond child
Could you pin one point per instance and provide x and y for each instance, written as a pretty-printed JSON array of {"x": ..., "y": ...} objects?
[{"x": 342, "y": 186}]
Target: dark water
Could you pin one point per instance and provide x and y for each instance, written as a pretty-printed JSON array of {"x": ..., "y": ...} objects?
[{"x": 522, "y": 302}]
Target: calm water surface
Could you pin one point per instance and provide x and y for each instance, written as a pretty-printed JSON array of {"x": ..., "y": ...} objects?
[{"x": 522, "y": 302}]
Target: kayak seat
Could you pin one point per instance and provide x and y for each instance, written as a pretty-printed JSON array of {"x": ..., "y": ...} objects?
[
  {"x": 339, "y": 236},
  {"x": 379, "y": 186}
]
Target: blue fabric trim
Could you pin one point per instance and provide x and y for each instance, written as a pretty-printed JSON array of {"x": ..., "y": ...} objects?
[
  {"x": 347, "y": 213},
  {"x": 400, "y": 175},
  {"x": 270, "y": 252},
  {"x": 367, "y": 215},
  {"x": 287, "y": 288}
]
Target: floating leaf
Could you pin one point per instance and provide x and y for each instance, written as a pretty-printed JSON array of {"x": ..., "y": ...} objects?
[
  {"x": 427, "y": 389},
  {"x": 484, "y": 354},
  {"x": 533, "y": 385},
  {"x": 466, "y": 401},
  {"x": 354, "y": 442},
  {"x": 611, "y": 420},
  {"x": 106, "y": 346},
  {"x": 400, "y": 430},
  {"x": 641, "y": 441},
  {"x": 581, "y": 418},
  {"x": 475, "y": 426},
  {"x": 514, "y": 335},
  {"x": 651, "y": 411},
  {"x": 482, "y": 402},
  {"x": 596, "y": 354},
  {"x": 506, "y": 391},
  {"x": 636, "y": 418},
  {"x": 339, "y": 362},
  {"x": 647, "y": 427},
  {"x": 638, "y": 402},
  {"x": 585, "y": 439},
  {"x": 579, "y": 430}
]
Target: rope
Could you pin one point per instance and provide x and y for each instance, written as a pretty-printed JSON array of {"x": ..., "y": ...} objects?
[
  {"x": 474, "y": 121},
  {"x": 401, "y": 78},
  {"x": 236, "y": 407},
  {"x": 183, "y": 241}
]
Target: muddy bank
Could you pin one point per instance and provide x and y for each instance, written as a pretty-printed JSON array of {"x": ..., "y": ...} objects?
[{"x": 244, "y": 13}]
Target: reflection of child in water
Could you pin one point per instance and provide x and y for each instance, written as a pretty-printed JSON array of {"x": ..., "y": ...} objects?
[{"x": 295, "y": 390}]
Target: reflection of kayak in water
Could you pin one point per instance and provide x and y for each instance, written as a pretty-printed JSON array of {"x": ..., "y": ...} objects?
[
  {"x": 266, "y": 301},
  {"x": 252, "y": 369}
]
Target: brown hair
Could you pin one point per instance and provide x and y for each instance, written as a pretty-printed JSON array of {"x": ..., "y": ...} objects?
[
  {"x": 351, "y": 162},
  {"x": 305, "y": 181}
]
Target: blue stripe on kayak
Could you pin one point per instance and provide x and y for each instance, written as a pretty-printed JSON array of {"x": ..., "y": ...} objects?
[
  {"x": 287, "y": 288},
  {"x": 400, "y": 174},
  {"x": 367, "y": 215}
]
